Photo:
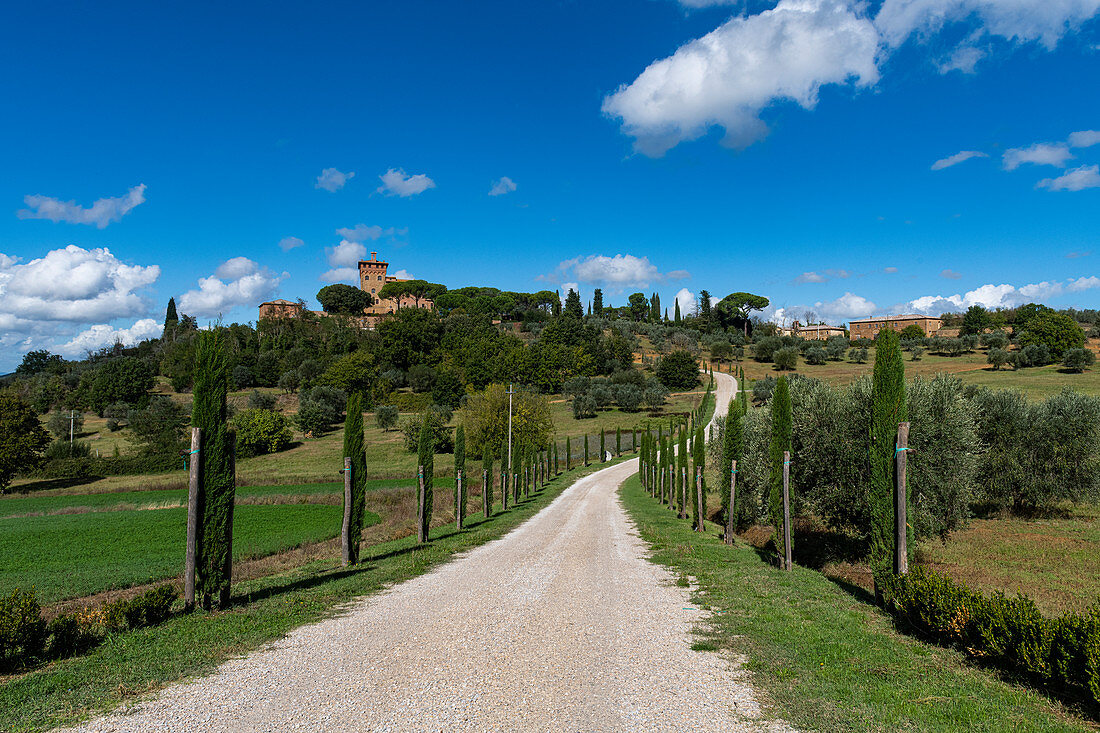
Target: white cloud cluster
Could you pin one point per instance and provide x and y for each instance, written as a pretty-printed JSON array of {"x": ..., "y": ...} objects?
[
  {"x": 502, "y": 186},
  {"x": 395, "y": 182},
  {"x": 957, "y": 158},
  {"x": 845, "y": 308},
  {"x": 1075, "y": 179},
  {"x": 236, "y": 282},
  {"x": 100, "y": 335},
  {"x": 686, "y": 299},
  {"x": 1084, "y": 138},
  {"x": 787, "y": 53},
  {"x": 822, "y": 276},
  {"x": 288, "y": 243},
  {"x": 343, "y": 259},
  {"x": 620, "y": 271},
  {"x": 1055, "y": 154},
  {"x": 1001, "y": 296},
  {"x": 729, "y": 75},
  {"x": 332, "y": 180},
  {"x": 101, "y": 213}
]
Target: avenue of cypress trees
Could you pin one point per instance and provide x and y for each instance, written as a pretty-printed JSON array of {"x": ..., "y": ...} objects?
[
  {"x": 426, "y": 457},
  {"x": 699, "y": 461},
  {"x": 681, "y": 466},
  {"x": 733, "y": 445},
  {"x": 888, "y": 408},
  {"x": 487, "y": 467},
  {"x": 356, "y": 451},
  {"x": 214, "y": 561},
  {"x": 460, "y": 468},
  {"x": 781, "y": 441}
]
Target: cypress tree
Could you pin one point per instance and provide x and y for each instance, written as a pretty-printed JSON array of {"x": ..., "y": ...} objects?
[
  {"x": 505, "y": 478},
  {"x": 214, "y": 559},
  {"x": 586, "y": 449},
  {"x": 603, "y": 450},
  {"x": 597, "y": 302},
  {"x": 487, "y": 467},
  {"x": 557, "y": 466},
  {"x": 733, "y": 445},
  {"x": 681, "y": 466},
  {"x": 618, "y": 441},
  {"x": 634, "y": 440},
  {"x": 780, "y": 441},
  {"x": 676, "y": 311},
  {"x": 699, "y": 459},
  {"x": 356, "y": 451},
  {"x": 568, "y": 454},
  {"x": 460, "y": 468},
  {"x": 171, "y": 319},
  {"x": 426, "y": 457},
  {"x": 888, "y": 408}
]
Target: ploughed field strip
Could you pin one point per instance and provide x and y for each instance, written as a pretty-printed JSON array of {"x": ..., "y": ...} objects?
[{"x": 560, "y": 625}]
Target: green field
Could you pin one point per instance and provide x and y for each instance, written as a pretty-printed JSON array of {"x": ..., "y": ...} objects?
[
  {"x": 73, "y": 555},
  {"x": 823, "y": 656}
]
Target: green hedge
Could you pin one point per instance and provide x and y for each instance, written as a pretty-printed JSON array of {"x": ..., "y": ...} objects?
[
  {"x": 26, "y": 639},
  {"x": 1061, "y": 653},
  {"x": 80, "y": 468}
]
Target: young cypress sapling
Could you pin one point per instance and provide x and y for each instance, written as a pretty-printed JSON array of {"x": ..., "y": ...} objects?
[
  {"x": 888, "y": 408},
  {"x": 460, "y": 469},
  {"x": 780, "y": 442},
  {"x": 426, "y": 458},
  {"x": 355, "y": 449}
]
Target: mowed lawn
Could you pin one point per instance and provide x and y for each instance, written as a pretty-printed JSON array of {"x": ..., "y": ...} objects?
[
  {"x": 73, "y": 555},
  {"x": 1051, "y": 560}
]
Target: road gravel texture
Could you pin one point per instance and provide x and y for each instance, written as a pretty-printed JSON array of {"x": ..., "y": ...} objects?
[{"x": 561, "y": 625}]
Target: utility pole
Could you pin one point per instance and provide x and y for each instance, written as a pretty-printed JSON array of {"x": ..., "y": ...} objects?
[{"x": 511, "y": 391}]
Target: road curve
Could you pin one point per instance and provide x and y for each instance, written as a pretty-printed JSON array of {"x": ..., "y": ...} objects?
[{"x": 561, "y": 625}]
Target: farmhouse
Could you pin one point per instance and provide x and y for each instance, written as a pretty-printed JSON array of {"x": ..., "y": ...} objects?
[{"x": 866, "y": 328}]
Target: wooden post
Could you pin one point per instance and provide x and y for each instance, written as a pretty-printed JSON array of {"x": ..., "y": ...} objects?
[
  {"x": 345, "y": 528},
  {"x": 733, "y": 503},
  {"x": 901, "y": 552},
  {"x": 702, "y": 502},
  {"x": 458, "y": 503},
  {"x": 485, "y": 492},
  {"x": 420, "y": 534},
  {"x": 194, "y": 487},
  {"x": 786, "y": 510}
]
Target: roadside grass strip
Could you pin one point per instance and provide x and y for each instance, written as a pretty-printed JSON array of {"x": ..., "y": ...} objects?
[{"x": 820, "y": 654}]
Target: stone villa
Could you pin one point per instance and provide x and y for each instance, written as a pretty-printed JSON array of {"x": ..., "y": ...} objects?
[{"x": 866, "y": 328}]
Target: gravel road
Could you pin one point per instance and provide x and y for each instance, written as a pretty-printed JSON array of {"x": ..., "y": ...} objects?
[{"x": 561, "y": 625}]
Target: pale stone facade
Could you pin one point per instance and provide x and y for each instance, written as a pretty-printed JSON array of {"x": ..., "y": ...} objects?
[{"x": 868, "y": 327}]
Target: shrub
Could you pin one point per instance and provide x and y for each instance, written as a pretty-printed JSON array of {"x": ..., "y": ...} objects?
[
  {"x": 786, "y": 358},
  {"x": 762, "y": 389},
  {"x": 859, "y": 355},
  {"x": 70, "y": 634},
  {"x": 261, "y": 400},
  {"x": 386, "y": 416},
  {"x": 655, "y": 394},
  {"x": 1056, "y": 331},
  {"x": 22, "y": 630},
  {"x": 1078, "y": 360},
  {"x": 836, "y": 347},
  {"x": 916, "y": 352},
  {"x": 59, "y": 423},
  {"x": 628, "y": 396},
  {"x": 816, "y": 355},
  {"x": 998, "y": 357},
  {"x": 421, "y": 378},
  {"x": 679, "y": 370},
  {"x": 1032, "y": 355},
  {"x": 242, "y": 377},
  {"x": 601, "y": 394},
  {"x": 764, "y": 349},
  {"x": 148, "y": 609},
  {"x": 319, "y": 408},
  {"x": 61, "y": 449},
  {"x": 260, "y": 431},
  {"x": 441, "y": 437},
  {"x": 584, "y": 406}
]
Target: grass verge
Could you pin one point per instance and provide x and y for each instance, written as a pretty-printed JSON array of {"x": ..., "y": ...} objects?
[
  {"x": 138, "y": 662},
  {"x": 824, "y": 658}
]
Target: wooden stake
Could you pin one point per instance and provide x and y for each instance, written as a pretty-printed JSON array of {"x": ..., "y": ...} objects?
[
  {"x": 733, "y": 503},
  {"x": 786, "y": 510},
  {"x": 458, "y": 503},
  {"x": 420, "y": 533},
  {"x": 345, "y": 528},
  {"x": 901, "y": 552},
  {"x": 193, "y": 489}
]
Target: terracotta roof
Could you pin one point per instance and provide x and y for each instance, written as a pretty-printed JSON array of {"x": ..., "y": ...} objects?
[{"x": 280, "y": 301}]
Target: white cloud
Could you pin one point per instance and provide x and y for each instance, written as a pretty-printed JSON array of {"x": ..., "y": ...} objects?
[
  {"x": 950, "y": 274},
  {"x": 563, "y": 291},
  {"x": 1084, "y": 138},
  {"x": 360, "y": 232},
  {"x": 687, "y": 301},
  {"x": 98, "y": 336},
  {"x": 727, "y": 77},
  {"x": 288, "y": 243},
  {"x": 820, "y": 277},
  {"x": 964, "y": 58},
  {"x": 236, "y": 282},
  {"x": 1001, "y": 296},
  {"x": 403, "y": 275},
  {"x": 395, "y": 182},
  {"x": 889, "y": 270},
  {"x": 346, "y": 254},
  {"x": 845, "y": 308},
  {"x": 1020, "y": 21},
  {"x": 1075, "y": 179},
  {"x": 1076, "y": 285},
  {"x": 957, "y": 158},
  {"x": 332, "y": 180},
  {"x": 502, "y": 186},
  {"x": 707, "y": 3},
  {"x": 678, "y": 275},
  {"x": 100, "y": 214},
  {"x": 1055, "y": 154}
]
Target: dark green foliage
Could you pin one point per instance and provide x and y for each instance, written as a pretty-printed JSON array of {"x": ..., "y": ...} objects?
[
  {"x": 1056, "y": 331},
  {"x": 680, "y": 470},
  {"x": 22, "y": 630},
  {"x": 557, "y": 467},
  {"x": 733, "y": 445},
  {"x": 160, "y": 427},
  {"x": 261, "y": 400},
  {"x": 344, "y": 299},
  {"x": 888, "y": 408},
  {"x": 1062, "y": 653},
  {"x": 765, "y": 347},
  {"x": 148, "y": 609},
  {"x": 698, "y": 460},
  {"x": 242, "y": 377},
  {"x": 786, "y": 359},
  {"x": 124, "y": 379},
  {"x": 618, "y": 441},
  {"x": 1078, "y": 360},
  {"x": 260, "y": 431},
  {"x": 460, "y": 467},
  {"x": 355, "y": 449},
  {"x": 573, "y": 308},
  {"x": 426, "y": 459},
  {"x": 171, "y": 318},
  {"x": 386, "y": 417},
  {"x": 436, "y": 417},
  {"x": 209, "y": 413},
  {"x": 487, "y": 467},
  {"x": 36, "y": 362},
  {"x": 64, "y": 423},
  {"x": 586, "y": 449},
  {"x": 678, "y": 370},
  {"x": 568, "y": 453},
  {"x": 22, "y": 438},
  {"x": 781, "y": 429},
  {"x": 69, "y": 635},
  {"x": 975, "y": 321},
  {"x": 603, "y": 449},
  {"x": 597, "y": 302},
  {"x": 448, "y": 389}
]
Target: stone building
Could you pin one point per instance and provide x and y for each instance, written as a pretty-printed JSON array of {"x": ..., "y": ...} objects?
[
  {"x": 867, "y": 328},
  {"x": 280, "y": 308},
  {"x": 819, "y": 332},
  {"x": 373, "y": 276}
]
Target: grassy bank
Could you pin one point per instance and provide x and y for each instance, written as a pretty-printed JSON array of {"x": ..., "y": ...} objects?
[
  {"x": 823, "y": 657},
  {"x": 138, "y": 662}
]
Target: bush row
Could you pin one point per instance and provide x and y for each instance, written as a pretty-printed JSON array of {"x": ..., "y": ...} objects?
[
  {"x": 89, "y": 466},
  {"x": 26, "y": 638},
  {"x": 1011, "y": 633}
]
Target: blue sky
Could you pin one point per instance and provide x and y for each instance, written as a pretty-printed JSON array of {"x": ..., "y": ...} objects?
[{"x": 788, "y": 149}]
